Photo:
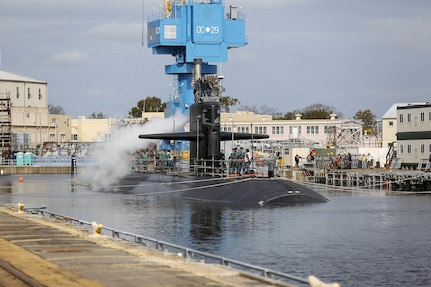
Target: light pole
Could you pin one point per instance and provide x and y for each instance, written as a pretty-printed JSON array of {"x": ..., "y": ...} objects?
[
  {"x": 251, "y": 147},
  {"x": 233, "y": 125},
  {"x": 224, "y": 142}
]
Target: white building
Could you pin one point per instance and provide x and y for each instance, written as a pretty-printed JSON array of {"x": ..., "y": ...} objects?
[
  {"x": 413, "y": 133},
  {"x": 389, "y": 123},
  {"x": 318, "y": 132}
]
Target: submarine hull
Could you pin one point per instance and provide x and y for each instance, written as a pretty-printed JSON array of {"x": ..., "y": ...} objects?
[{"x": 239, "y": 190}]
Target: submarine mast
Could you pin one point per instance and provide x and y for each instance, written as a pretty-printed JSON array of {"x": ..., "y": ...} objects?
[{"x": 192, "y": 30}]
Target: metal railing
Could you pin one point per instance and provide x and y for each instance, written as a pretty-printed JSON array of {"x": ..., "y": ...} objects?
[
  {"x": 48, "y": 161},
  {"x": 188, "y": 253},
  {"x": 202, "y": 167}
]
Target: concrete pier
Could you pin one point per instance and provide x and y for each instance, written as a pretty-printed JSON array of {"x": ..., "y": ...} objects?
[
  {"x": 36, "y": 251},
  {"x": 4, "y": 170}
]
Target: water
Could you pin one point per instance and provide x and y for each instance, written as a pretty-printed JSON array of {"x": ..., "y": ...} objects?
[{"x": 360, "y": 238}]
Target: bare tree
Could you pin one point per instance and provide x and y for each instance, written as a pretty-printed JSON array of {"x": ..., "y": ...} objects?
[{"x": 55, "y": 110}]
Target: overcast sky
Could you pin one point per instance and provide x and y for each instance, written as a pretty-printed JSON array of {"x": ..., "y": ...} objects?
[{"x": 350, "y": 54}]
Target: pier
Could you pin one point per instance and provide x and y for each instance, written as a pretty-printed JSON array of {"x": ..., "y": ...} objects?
[
  {"x": 391, "y": 180},
  {"x": 38, "y": 251}
]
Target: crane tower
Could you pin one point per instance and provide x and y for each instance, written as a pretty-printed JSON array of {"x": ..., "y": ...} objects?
[{"x": 193, "y": 32}]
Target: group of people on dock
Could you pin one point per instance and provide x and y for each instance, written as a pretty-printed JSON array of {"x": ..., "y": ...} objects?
[
  {"x": 340, "y": 161},
  {"x": 239, "y": 161}
]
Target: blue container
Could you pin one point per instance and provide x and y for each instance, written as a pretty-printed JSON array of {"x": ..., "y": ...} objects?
[{"x": 19, "y": 157}]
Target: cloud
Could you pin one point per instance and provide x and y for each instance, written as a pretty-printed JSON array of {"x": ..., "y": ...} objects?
[
  {"x": 100, "y": 93},
  {"x": 115, "y": 31},
  {"x": 269, "y": 4},
  {"x": 67, "y": 58},
  {"x": 404, "y": 32}
]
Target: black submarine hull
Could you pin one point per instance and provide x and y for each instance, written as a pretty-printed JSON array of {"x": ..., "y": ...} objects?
[{"x": 237, "y": 190}]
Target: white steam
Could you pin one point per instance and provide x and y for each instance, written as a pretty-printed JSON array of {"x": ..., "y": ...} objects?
[{"x": 112, "y": 159}]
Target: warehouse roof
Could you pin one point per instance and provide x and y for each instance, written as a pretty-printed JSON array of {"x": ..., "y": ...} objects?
[{"x": 5, "y": 76}]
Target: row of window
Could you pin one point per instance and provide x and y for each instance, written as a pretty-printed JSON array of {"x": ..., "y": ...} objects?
[
  {"x": 409, "y": 149},
  {"x": 409, "y": 117},
  {"x": 28, "y": 93},
  {"x": 279, "y": 130}
]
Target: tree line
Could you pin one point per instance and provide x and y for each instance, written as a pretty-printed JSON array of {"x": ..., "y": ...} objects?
[{"x": 314, "y": 111}]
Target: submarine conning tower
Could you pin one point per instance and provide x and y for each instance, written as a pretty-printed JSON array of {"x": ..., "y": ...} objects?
[{"x": 204, "y": 119}]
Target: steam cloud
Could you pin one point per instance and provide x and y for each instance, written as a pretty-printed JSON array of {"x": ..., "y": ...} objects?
[{"x": 111, "y": 159}]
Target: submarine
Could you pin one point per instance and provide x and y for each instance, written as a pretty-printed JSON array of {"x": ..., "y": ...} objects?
[
  {"x": 204, "y": 180},
  {"x": 196, "y": 33}
]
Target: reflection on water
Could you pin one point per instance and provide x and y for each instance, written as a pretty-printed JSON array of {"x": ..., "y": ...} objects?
[{"x": 359, "y": 238}]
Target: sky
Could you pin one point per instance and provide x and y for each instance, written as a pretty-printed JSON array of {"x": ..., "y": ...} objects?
[{"x": 350, "y": 54}]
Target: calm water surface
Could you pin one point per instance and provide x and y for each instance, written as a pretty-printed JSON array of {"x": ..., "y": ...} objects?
[{"x": 360, "y": 238}]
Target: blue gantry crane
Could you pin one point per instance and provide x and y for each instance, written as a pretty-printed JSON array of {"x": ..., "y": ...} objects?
[{"x": 193, "y": 32}]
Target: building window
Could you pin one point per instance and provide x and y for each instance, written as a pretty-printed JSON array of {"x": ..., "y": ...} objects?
[
  {"x": 312, "y": 130},
  {"x": 17, "y": 94},
  {"x": 52, "y": 137},
  {"x": 401, "y": 149},
  {"x": 401, "y": 118},
  {"x": 28, "y": 93},
  {"x": 409, "y": 148},
  {"x": 429, "y": 116},
  {"x": 107, "y": 137},
  {"x": 40, "y": 94},
  {"x": 62, "y": 137},
  {"x": 260, "y": 130},
  {"x": 390, "y": 123},
  {"x": 243, "y": 129},
  {"x": 278, "y": 130},
  {"x": 409, "y": 118},
  {"x": 422, "y": 148}
]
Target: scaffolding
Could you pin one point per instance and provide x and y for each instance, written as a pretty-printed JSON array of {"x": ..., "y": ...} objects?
[
  {"x": 347, "y": 134},
  {"x": 5, "y": 128}
]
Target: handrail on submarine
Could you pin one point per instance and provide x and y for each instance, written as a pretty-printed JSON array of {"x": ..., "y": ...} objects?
[{"x": 205, "y": 167}]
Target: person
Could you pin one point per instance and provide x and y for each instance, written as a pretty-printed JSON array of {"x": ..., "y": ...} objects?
[
  {"x": 369, "y": 161},
  {"x": 169, "y": 159},
  {"x": 222, "y": 161},
  {"x": 240, "y": 162},
  {"x": 331, "y": 160},
  {"x": 247, "y": 161},
  {"x": 297, "y": 157},
  {"x": 310, "y": 157},
  {"x": 364, "y": 161},
  {"x": 349, "y": 161},
  {"x": 145, "y": 159},
  {"x": 232, "y": 160}
]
